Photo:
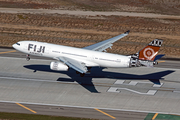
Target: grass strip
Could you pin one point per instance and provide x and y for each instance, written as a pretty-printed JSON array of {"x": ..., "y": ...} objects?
[{"x": 162, "y": 117}]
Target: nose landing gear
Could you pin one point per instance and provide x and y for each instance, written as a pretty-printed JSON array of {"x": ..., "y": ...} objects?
[{"x": 27, "y": 57}]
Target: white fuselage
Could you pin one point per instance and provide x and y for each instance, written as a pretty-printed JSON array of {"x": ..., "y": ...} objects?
[{"x": 89, "y": 57}]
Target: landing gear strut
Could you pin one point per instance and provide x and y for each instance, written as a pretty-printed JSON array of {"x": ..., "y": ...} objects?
[
  {"x": 27, "y": 57},
  {"x": 82, "y": 74},
  {"x": 77, "y": 72},
  {"x": 89, "y": 70}
]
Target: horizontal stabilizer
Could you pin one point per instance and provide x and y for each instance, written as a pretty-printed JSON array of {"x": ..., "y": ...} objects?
[
  {"x": 158, "y": 56},
  {"x": 147, "y": 63}
]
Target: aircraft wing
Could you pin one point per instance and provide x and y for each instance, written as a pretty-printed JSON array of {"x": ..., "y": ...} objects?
[
  {"x": 102, "y": 46},
  {"x": 76, "y": 65}
]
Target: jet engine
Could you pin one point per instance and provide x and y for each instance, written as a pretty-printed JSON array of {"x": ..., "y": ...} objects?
[
  {"x": 58, "y": 66},
  {"x": 135, "y": 62}
]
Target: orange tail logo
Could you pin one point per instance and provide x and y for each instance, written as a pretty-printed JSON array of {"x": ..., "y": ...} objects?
[{"x": 150, "y": 51}]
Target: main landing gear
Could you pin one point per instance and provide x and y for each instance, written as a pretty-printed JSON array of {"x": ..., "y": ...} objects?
[
  {"x": 27, "y": 57},
  {"x": 81, "y": 74}
]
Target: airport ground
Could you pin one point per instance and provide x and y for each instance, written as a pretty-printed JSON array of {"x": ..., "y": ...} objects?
[{"x": 31, "y": 87}]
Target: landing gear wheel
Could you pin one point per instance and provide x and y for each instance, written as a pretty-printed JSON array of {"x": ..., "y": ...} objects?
[
  {"x": 82, "y": 74},
  {"x": 77, "y": 72},
  {"x": 27, "y": 57},
  {"x": 89, "y": 68}
]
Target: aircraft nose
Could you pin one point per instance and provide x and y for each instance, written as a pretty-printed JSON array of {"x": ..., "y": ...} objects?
[{"x": 14, "y": 46}]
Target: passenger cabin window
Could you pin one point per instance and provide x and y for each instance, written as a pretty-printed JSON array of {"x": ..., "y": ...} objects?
[{"x": 18, "y": 44}]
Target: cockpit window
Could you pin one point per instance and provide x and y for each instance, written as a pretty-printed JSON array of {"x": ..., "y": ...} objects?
[{"x": 18, "y": 44}]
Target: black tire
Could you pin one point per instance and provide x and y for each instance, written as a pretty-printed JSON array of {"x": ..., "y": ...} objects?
[
  {"x": 82, "y": 74},
  {"x": 27, "y": 58}
]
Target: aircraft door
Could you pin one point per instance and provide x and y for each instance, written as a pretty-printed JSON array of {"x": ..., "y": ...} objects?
[
  {"x": 94, "y": 58},
  {"x": 47, "y": 50},
  {"x": 25, "y": 46}
]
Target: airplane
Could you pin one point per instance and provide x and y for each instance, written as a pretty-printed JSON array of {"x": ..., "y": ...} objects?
[{"x": 83, "y": 59}]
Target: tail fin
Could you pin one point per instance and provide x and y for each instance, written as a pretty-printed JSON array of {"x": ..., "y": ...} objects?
[{"x": 149, "y": 52}]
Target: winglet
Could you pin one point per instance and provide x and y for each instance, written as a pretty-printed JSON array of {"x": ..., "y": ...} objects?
[{"x": 127, "y": 32}]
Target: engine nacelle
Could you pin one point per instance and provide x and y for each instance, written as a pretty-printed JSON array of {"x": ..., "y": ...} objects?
[
  {"x": 58, "y": 66},
  {"x": 134, "y": 62}
]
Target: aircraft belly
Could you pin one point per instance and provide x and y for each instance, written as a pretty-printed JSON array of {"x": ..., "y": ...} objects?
[
  {"x": 109, "y": 64},
  {"x": 113, "y": 62},
  {"x": 90, "y": 64}
]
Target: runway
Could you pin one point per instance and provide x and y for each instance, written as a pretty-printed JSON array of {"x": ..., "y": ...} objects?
[{"x": 121, "y": 93}]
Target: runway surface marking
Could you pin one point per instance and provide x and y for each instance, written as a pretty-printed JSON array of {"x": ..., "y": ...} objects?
[
  {"x": 8, "y": 52},
  {"x": 26, "y": 107},
  {"x": 114, "y": 89},
  {"x": 134, "y": 83},
  {"x": 105, "y": 113},
  {"x": 155, "y": 115}
]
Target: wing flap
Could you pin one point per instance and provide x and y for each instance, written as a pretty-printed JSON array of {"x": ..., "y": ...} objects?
[
  {"x": 103, "y": 48},
  {"x": 76, "y": 65}
]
